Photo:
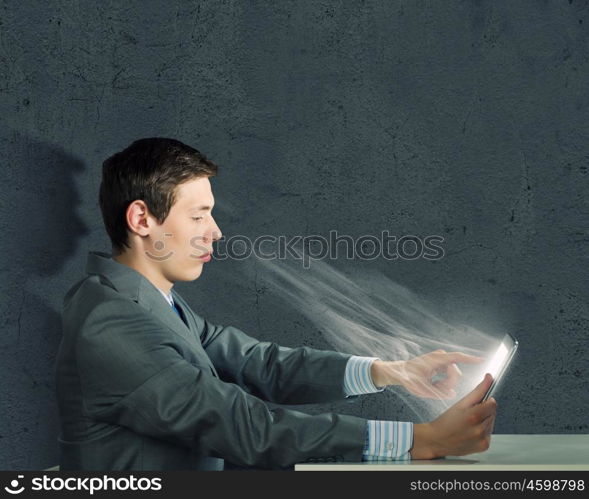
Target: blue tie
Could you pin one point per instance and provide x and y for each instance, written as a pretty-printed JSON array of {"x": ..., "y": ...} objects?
[{"x": 178, "y": 311}]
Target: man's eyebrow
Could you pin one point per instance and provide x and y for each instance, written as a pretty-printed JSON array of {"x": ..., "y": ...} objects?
[{"x": 201, "y": 208}]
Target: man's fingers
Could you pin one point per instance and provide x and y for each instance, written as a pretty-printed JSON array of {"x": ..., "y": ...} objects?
[
  {"x": 491, "y": 425},
  {"x": 488, "y": 424},
  {"x": 431, "y": 391},
  {"x": 452, "y": 377},
  {"x": 476, "y": 395},
  {"x": 442, "y": 358},
  {"x": 463, "y": 358},
  {"x": 487, "y": 409}
]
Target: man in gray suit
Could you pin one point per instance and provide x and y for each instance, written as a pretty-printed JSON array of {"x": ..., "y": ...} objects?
[{"x": 144, "y": 383}]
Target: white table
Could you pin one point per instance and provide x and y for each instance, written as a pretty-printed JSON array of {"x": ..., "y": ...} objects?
[{"x": 506, "y": 452}]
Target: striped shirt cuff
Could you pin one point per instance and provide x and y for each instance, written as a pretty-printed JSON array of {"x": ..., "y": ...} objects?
[
  {"x": 357, "y": 378},
  {"x": 388, "y": 441}
]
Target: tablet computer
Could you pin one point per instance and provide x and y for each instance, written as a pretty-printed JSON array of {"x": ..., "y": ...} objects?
[{"x": 499, "y": 363}]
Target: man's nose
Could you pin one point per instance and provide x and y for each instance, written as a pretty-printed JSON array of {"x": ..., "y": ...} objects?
[{"x": 216, "y": 234}]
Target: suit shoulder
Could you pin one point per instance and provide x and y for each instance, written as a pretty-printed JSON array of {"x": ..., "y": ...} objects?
[{"x": 89, "y": 295}]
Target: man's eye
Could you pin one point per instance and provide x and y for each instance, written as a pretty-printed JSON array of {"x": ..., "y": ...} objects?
[{"x": 197, "y": 218}]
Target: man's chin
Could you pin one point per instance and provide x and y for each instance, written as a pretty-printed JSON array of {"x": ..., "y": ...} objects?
[
  {"x": 189, "y": 276},
  {"x": 197, "y": 272}
]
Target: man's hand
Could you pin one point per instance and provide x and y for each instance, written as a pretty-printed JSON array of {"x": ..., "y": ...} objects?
[
  {"x": 416, "y": 374},
  {"x": 463, "y": 429}
]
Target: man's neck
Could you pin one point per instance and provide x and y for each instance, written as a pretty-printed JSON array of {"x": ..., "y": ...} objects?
[{"x": 142, "y": 266}]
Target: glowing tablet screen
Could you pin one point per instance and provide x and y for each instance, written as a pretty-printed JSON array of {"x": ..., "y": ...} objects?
[{"x": 498, "y": 360}]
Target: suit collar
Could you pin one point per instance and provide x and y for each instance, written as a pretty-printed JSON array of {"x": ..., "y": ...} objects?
[
  {"x": 126, "y": 280},
  {"x": 134, "y": 285}
]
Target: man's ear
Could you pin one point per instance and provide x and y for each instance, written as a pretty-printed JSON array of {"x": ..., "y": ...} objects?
[{"x": 138, "y": 218}]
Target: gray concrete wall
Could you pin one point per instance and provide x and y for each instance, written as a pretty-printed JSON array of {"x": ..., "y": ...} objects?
[{"x": 462, "y": 118}]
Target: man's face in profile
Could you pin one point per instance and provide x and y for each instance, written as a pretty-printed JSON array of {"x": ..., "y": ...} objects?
[{"x": 183, "y": 243}]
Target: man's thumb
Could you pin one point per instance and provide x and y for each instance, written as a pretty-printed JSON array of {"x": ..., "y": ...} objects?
[{"x": 478, "y": 393}]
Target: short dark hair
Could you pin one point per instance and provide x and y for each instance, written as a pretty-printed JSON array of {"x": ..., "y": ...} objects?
[{"x": 149, "y": 169}]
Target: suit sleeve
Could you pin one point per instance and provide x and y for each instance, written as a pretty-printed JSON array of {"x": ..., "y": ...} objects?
[
  {"x": 131, "y": 375},
  {"x": 274, "y": 373}
]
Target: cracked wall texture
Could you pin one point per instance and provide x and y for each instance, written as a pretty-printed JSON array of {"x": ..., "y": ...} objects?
[{"x": 465, "y": 119}]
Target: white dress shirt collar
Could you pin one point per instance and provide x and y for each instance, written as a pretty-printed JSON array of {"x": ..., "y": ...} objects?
[{"x": 167, "y": 297}]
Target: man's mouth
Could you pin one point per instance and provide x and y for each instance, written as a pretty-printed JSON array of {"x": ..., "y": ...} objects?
[{"x": 206, "y": 257}]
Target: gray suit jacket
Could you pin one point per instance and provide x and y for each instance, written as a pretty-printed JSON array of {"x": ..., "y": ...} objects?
[{"x": 139, "y": 390}]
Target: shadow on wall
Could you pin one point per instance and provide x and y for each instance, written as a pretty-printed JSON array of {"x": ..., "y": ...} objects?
[{"x": 40, "y": 232}]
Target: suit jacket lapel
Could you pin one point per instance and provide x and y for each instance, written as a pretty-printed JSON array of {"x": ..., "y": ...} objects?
[
  {"x": 134, "y": 285},
  {"x": 152, "y": 300},
  {"x": 195, "y": 323}
]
